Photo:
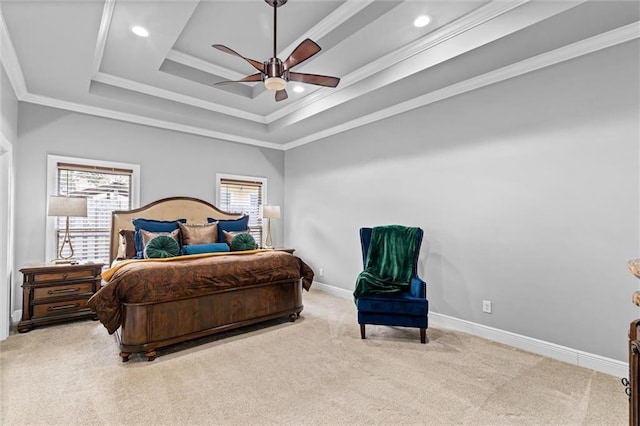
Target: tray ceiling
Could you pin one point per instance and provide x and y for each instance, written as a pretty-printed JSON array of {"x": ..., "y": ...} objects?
[{"x": 82, "y": 56}]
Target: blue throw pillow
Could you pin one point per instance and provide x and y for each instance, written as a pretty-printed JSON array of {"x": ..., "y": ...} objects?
[
  {"x": 230, "y": 225},
  {"x": 152, "y": 225},
  {"x": 205, "y": 248}
]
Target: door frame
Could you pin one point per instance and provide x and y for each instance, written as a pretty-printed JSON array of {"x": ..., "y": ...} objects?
[{"x": 6, "y": 234}]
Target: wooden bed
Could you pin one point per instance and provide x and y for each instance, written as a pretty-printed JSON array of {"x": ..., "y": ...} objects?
[{"x": 145, "y": 327}]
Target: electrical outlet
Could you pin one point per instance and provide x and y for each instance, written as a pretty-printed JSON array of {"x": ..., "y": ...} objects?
[
  {"x": 322, "y": 272},
  {"x": 486, "y": 306}
]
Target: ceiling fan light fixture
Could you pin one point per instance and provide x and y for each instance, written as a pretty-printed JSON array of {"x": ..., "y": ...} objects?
[{"x": 275, "y": 83}]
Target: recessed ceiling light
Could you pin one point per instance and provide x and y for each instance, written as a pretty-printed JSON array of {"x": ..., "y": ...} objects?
[
  {"x": 140, "y": 31},
  {"x": 422, "y": 21},
  {"x": 298, "y": 89}
]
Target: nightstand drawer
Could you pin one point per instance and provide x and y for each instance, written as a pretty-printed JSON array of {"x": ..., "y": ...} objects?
[
  {"x": 62, "y": 275},
  {"x": 66, "y": 290},
  {"x": 59, "y": 307}
]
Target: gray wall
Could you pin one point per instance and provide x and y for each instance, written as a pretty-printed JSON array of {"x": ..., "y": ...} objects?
[
  {"x": 528, "y": 192},
  {"x": 171, "y": 164}
]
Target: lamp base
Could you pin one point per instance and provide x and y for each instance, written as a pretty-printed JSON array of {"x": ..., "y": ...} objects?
[{"x": 69, "y": 261}]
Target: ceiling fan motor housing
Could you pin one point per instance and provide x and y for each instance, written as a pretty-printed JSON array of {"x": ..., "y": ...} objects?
[{"x": 274, "y": 68}]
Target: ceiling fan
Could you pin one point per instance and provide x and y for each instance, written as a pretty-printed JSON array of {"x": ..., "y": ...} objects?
[{"x": 276, "y": 73}]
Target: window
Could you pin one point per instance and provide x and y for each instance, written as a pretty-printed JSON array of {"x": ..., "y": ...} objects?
[
  {"x": 243, "y": 194},
  {"x": 107, "y": 187}
]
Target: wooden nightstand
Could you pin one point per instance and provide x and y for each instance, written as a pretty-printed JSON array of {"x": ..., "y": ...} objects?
[{"x": 57, "y": 293}]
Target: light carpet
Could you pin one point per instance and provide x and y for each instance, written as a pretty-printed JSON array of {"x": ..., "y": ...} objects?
[{"x": 314, "y": 371}]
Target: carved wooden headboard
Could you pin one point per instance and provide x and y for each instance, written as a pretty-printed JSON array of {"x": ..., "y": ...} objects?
[{"x": 192, "y": 209}]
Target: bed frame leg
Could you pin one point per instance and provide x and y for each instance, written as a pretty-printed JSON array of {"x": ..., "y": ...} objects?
[
  {"x": 125, "y": 356},
  {"x": 151, "y": 355},
  {"x": 292, "y": 317}
]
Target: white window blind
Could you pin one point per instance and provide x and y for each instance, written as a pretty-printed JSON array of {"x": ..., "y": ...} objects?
[
  {"x": 243, "y": 196},
  {"x": 106, "y": 189}
]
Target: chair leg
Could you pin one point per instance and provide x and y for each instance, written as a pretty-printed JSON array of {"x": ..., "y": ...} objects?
[
  {"x": 362, "y": 334},
  {"x": 423, "y": 335}
]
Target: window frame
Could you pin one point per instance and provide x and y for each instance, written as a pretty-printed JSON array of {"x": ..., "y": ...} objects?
[
  {"x": 52, "y": 189},
  {"x": 263, "y": 183}
]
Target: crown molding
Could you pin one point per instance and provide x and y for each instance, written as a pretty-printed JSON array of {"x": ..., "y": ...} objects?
[
  {"x": 103, "y": 33},
  {"x": 457, "y": 27},
  {"x": 310, "y": 102},
  {"x": 146, "y": 121},
  {"x": 412, "y": 57},
  {"x": 9, "y": 60},
  {"x": 336, "y": 18},
  {"x": 339, "y": 16},
  {"x": 565, "y": 53},
  {"x": 199, "y": 64},
  {"x": 174, "y": 96},
  {"x": 332, "y": 21},
  {"x": 574, "y": 50},
  {"x": 11, "y": 64}
]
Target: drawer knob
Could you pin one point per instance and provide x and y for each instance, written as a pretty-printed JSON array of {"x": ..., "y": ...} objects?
[
  {"x": 64, "y": 290},
  {"x": 58, "y": 308},
  {"x": 65, "y": 275}
]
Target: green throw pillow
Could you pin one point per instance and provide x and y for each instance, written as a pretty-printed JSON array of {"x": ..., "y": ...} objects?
[
  {"x": 243, "y": 241},
  {"x": 161, "y": 246}
]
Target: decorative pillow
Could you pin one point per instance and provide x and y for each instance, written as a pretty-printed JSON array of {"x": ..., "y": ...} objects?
[
  {"x": 152, "y": 225},
  {"x": 198, "y": 233},
  {"x": 243, "y": 241},
  {"x": 229, "y": 236},
  {"x": 127, "y": 245},
  {"x": 148, "y": 236},
  {"x": 161, "y": 246},
  {"x": 205, "y": 248},
  {"x": 230, "y": 225}
]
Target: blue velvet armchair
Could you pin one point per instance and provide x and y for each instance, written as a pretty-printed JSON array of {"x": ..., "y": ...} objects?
[{"x": 406, "y": 308}]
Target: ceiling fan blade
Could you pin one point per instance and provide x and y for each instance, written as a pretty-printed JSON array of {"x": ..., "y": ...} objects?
[
  {"x": 318, "y": 80},
  {"x": 304, "y": 51},
  {"x": 247, "y": 79},
  {"x": 281, "y": 95},
  {"x": 257, "y": 65}
]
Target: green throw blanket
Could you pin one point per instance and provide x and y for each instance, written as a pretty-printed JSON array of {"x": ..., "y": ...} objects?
[{"x": 389, "y": 264}]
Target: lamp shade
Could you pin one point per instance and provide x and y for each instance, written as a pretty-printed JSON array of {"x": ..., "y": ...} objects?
[
  {"x": 67, "y": 206},
  {"x": 271, "y": 212}
]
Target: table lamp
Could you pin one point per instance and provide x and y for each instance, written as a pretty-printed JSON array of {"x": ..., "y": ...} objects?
[
  {"x": 60, "y": 205},
  {"x": 270, "y": 212}
]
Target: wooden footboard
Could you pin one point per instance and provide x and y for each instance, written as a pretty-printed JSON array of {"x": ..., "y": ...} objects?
[{"x": 149, "y": 326}]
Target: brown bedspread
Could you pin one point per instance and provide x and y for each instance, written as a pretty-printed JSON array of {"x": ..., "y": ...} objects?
[{"x": 139, "y": 282}]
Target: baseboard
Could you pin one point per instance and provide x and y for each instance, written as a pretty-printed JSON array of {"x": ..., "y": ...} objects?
[
  {"x": 333, "y": 290},
  {"x": 540, "y": 347}
]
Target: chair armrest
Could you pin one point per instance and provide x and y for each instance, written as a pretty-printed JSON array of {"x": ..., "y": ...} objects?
[{"x": 418, "y": 288}]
